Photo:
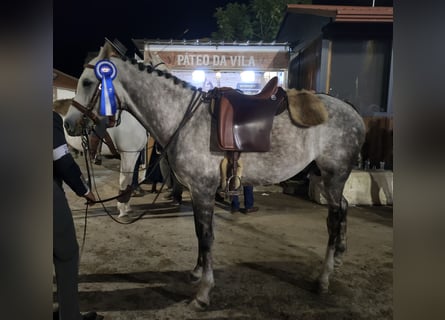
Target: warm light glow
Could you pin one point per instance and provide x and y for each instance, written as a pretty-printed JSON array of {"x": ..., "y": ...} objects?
[
  {"x": 248, "y": 76},
  {"x": 269, "y": 75},
  {"x": 218, "y": 75},
  {"x": 198, "y": 76}
]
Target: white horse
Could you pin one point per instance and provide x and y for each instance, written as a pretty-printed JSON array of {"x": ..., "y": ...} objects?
[{"x": 129, "y": 137}]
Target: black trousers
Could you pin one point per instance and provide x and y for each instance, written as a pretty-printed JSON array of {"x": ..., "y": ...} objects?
[{"x": 65, "y": 256}]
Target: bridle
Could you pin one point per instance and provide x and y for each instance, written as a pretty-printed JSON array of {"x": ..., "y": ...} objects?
[{"x": 88, "y": 110}]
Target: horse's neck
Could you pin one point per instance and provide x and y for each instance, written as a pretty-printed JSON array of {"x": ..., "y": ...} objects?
[{"x": 158, "y": 103}]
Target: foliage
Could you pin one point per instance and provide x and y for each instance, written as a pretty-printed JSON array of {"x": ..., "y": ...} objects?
[
  {"x": 259, "y": 20},
  {"x": 234, "y": 22}
]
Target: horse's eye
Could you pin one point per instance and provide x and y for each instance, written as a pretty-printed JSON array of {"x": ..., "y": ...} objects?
[{"x": 87, "y": 83}]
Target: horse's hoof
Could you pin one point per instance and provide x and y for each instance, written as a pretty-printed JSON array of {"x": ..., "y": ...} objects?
[
  {"x": 198, "y": 305},
  {"x": 338, "y": 262},
  {"x": 322, "y": 287},
  {"x": 123, "y": 215},
  {"x": 194, "y": 279}
]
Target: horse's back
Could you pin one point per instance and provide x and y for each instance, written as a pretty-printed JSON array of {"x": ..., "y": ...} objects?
[
  {"x": 293, "y": 147},
  {"x": 343, "y": 118}
]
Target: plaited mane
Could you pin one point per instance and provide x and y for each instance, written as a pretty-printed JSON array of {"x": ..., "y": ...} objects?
[{"x": 160, "y": 73}]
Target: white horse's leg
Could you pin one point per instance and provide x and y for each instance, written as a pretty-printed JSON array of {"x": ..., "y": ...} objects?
[{"x": 128, "y": 161}]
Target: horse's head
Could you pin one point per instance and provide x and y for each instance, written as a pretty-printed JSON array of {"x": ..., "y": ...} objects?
[{"x": 85, "y": 111}]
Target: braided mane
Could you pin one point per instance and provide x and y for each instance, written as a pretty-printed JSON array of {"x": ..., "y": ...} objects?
[{"x": 141, "y": 66}]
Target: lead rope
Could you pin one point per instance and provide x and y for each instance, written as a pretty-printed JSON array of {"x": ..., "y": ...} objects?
[{"x": 86, "y": 149}]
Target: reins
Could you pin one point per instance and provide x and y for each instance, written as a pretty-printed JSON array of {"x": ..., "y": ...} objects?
[{"x": 102, "y": 201}]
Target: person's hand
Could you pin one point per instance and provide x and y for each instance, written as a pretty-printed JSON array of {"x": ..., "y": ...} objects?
[{"x": 90, "y": 198}]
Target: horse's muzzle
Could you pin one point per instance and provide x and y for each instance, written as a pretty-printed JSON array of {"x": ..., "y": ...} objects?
[{"x": 73, "y": 128}]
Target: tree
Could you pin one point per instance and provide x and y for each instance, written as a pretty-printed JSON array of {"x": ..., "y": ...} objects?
[
  {"x": 259, "y": 20},
  {"x": 234, "y": 23}
]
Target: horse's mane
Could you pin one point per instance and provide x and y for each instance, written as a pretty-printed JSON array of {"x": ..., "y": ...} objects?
[
  {"x": 155, "y": 60},
  {"x": 61, "y": 106},
  {"x": 109, "y": 50},
  {"x": 161, "y": 73}
]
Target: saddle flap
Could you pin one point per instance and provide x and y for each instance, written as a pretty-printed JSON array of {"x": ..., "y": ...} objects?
[
  {"x": 245, "y": 121},
  {"x": 225, "y": 125}
]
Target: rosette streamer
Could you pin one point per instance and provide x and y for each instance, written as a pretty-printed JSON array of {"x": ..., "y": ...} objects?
[{"x": 106, "y": 71}]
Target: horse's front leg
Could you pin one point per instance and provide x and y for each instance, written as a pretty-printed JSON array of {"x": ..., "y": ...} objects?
[
  {"x": 128, "y": 162},
  {"x": 203, "y": 204}
]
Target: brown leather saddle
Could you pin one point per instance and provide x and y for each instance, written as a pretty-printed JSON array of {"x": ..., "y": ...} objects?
[{"x": 244, "y": 122}]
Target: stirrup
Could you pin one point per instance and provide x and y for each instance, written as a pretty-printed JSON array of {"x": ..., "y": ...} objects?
[{"x": 232, "y": 192}]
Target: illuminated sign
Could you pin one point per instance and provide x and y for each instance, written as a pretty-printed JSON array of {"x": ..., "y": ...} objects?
[{"x": 225, "y": 60}]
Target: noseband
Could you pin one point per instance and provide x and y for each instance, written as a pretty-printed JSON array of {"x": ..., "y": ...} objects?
[{"x": 88, "y": 110}]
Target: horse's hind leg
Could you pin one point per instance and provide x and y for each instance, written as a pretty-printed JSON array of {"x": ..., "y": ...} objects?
[{"x": 336, "y": 224}]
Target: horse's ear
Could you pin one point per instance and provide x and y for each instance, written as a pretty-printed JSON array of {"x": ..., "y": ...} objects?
[
  {"x": 114, "y": 48},
  {"x": 108, "y": 50}
]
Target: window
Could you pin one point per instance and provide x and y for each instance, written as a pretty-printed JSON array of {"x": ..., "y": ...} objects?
[{"x": 360, "y": 73}]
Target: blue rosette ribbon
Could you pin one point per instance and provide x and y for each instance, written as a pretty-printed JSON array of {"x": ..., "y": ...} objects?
[{"x": 106, "y": 71}]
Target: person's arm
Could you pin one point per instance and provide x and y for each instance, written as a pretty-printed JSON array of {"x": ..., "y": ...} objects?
[{"x": 63, "y": 163}]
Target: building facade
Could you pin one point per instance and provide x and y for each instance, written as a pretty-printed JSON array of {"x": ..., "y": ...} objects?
[
  {"x": 345, "y": 51},
  {"x": 244, "y": 66},
  {"x": 64, "y": 85}
]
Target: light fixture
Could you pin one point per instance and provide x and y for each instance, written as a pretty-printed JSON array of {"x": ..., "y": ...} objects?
[
  {"x": 198, "y": 76},
  {"x": 247, "y": 76}
]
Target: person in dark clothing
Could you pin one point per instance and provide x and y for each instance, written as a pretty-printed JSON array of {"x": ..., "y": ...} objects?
[
  {"x": 172, "y": 183},
  {"x": 153, "y": 175},
  {"x": 248, "y": 201},
  {"x": 65, "y": 246},
  {"x": 137, "y": 190}
]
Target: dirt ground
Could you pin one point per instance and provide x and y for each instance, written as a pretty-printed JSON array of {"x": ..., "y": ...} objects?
[{"x": 265, "y": 263}]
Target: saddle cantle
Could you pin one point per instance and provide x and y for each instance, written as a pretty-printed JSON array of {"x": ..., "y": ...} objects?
[{"x": 245, "y": 121}]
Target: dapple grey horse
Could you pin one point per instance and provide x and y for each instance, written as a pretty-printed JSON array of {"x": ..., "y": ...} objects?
[{"x": 163, "y": 103}]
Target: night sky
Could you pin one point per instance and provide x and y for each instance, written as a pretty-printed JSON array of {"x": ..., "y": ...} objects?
[{"x": 80, "y": 26}]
